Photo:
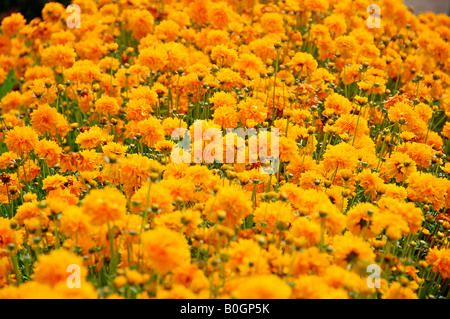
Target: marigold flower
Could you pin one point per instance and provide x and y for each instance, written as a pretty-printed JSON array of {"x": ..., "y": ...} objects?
[
  {"x": 440, "y": 259},
  {"x": 53, "y": 182},
  {"x": 11, "y": 101},
  {"x": 107, "y": 105},
  {"x": 151, "y": 131},
  {"x": 310, "y": 261},
  {"x": 272, "y": 22},
  {"x": 154, "y": 194},
  {"x": 46, "y": 119},
  {"x": 220, "y": 99},
  {"x": 268, "y": 216},
  {"x": 21, "y": 139},
  {"x": 226, "y": 117},
  {"x": 9, "y": 237},
  {"x": 252, "y": 109},
  {"x": 165, "y": 249},
  {"x": 224, "y": 56},
  {"x": 305, "y": 232},
  {"x": 155, "y": 58},
  {"x": 263, "y": 287},
  {"x": 10, "y": 25},
  {"x": 244, "y": 251},
  {"x": 140, "y": 21},
  {"x": 52, "y": 11},
  {"x": 138, "y": 109},
  {"x": 104, "y": 206},
  {"x": 59, "y": 55},
  {"x": 395, "y": 225},
  {"x": 351, "y": 249},
  {"x": 48, "y": 150},
  {"x": 359, "y": 219},
  {"x": 317, "y": 5},
  {"x": 51, "y": 269},
  {"x": 397, "y": 291},
  {"x": 427, "y": 188},
  {"x": 113, "y": 149},
  {"x": 338, "y": 104},
  {"x": 400, "y": 166},
  {"x": 93, "y": 137},
  {"x": 341, "y": 155},
  {"x": 233, "y": 202},
  {"x": 74, "y": 222},
  {"x": 303, "y": 63}
]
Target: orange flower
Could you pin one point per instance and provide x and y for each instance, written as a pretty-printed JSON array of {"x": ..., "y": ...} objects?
[
  {"x": 74, "y": 222},
  {"x": 107, "y": 105},
  {"x": 399, "y": 165},
  {"x": 59, "y": 55},
  {"x": 397, "y": 291},
  {"x": 51, "y": 269},
  {"x": 12, "y": 24},
  {"x": 50, "y": 151},
  {"x": 221, "y": 98},
  {"x": 140, "y": 21},
  {"x": 46, "y": 119},
  {"x": 359, "y": 219},
  {"x": 350, "y": 249},
  {"x": 151, "y": 131},
  {"x": 231, "y": 202},
  {"x": 226, "y": 117},
  {"x": 305, "y": 232},
  {"x": 155, "y": 58},
  {"x": 338, "y": 104},
  {"x": 93, "y": 137},
  {"x": 272, "y": 22},
  {"x": 224, "y": 56},
  {"x": 423, "y": 187},
  {"x": 138, "y": 110},
  {"x": 21, "y": 139},
  {"x": 167, "y": 30},
  {"x": 8, "y": 236},
  {"x": 52, "y": 11},
  {"x": 165, "y": 249},
  {"x": 440, "y": 259},
  {"x": 11, "y": 101},
  {"x": 263, "y": 287},
  {"x": 304, "y": 63},
  {"x": 340, "y": 156},
  {"x": 252, "y": 109},
  {"x": 53, "y": 182},
  {"x": 106, "y": 205}
]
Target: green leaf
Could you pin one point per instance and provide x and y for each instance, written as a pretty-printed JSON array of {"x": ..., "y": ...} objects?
[{"x": 7, "y": 86}]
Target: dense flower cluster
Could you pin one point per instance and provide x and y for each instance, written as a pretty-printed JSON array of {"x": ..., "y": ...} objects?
[{"x": 88, "y": 177}]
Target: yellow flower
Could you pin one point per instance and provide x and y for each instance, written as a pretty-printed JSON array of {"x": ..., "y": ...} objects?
[
  {"x": 21, "y": 139},
  {"x": 263, "y": 287},
  {"x": 440, "y": 259},
  {"x": 59, "y": 55},
  {"x": 53, "y": 182},
  {"x": 397, "y": 291},
  {"x": 53, "y": 268},
  {"x": 165, "y": 249},
  {"x": 74, "y": 222},
  {"x": 104, "y": 206},
  {"x": 351, "y": 249}
]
